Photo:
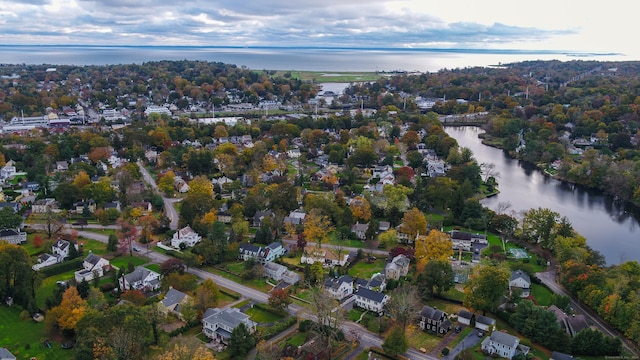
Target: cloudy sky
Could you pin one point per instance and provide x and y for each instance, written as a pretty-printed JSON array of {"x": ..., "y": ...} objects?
[{"x": 490, "y": 24}]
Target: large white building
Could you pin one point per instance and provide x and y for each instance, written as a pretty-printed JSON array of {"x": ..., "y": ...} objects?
[
  {"x": 186, "y": 236},
  {"x": 154, "y": 109}
]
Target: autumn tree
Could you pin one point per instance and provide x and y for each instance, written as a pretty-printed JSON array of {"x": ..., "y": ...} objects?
[
  {"x": 413, "y": 223},
  {"x": 166, "y": 183},
  {"x": 316, "y": 227},
  {"x": 53, "y": 223},
  {"x": 135, "y": 297},
  {"x": 206, "y": 296},
  {"x": 147, "y": 224},
  {"x": 127, "y": 235},
  {"x": 435, "y": 246},
  {"x": 199, "y": 200},
  {"x": 72, "y": 308},
  {"x": 486, "y": 286},
  {"x": 185, "y": 348},
  {"x": 360, "y": 209},
  {"x": 279, "y": 299},
  {"x": 81, "y": 180},
  {"x": 538, "y": 225},
  {"x": 328, "y": 314},
  {"x": 388, "y": 239}
]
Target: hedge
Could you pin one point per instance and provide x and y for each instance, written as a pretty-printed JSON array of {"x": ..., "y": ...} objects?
[
  {"x": 73, "y": 264},
  {"x": 235, "y": 296},
  {"x": 277, "y": 328}
]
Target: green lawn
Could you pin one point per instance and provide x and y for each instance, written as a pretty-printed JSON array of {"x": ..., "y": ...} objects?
[
  {"x": 262, "y": 316},
  {"x": 45, "y": 289},
  {"x": 122, "y": 262},
  {"x": 365, "y": 270},
  {"x": 541, "y": 294},
  {"x": 258, "y": 284},
  {"x": 94, "y": 246},
  {"x": 101, "y": 231},
  {"x": 235, "y": 267},
  {"x": 153, "y": 267},
  {"x": 421, "y": 339},
  {"x": 16, "y": 334},
  {"x": 298, "y": 339}
]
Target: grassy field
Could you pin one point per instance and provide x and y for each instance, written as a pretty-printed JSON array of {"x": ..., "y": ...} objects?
[
  {"x": 45, "y": 289},
  {"x": 258, "y": 284},
  {"x": 122, "y": 262},
  {"x": 421, "y": 339},
  {"x": 542, "y": 294},
  {"x": 25, "y": 338},
  {"x": 262, "y": 316},
  {"x": 365, "y": 270},
  {"x": 153, "y": 267}
]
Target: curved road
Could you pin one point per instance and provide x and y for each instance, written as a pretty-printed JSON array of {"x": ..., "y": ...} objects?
[
  {"x": 548, "y": 278},
  {"x": 169, "y": 209}
]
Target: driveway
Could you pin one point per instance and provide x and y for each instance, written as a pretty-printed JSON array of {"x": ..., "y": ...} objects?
[{"x": 470, "y": 341}]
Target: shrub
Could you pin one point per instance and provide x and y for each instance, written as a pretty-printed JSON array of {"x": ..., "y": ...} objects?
[
  {"x": 445, "y": 351},
  {"x": 305, "y": 325},
  {"x": 107, "y": 287}
]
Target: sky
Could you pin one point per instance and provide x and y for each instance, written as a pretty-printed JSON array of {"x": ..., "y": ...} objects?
[{"x": 559, "y": 25}]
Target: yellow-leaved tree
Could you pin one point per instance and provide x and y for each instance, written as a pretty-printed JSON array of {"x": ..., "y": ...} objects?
[
  {"x": 71, "y": 309},
  {"x": 414, "y": 223},
  {"x": 316, "y": 227},
  {"x": 434, "y": 246},
  {"x": 360, "y": 209}
]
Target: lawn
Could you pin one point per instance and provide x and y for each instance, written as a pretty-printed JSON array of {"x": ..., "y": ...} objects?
[
  {"x": 421, "y": 339},
  {"x": 94, "y": 246},
  {"x": 45, "y": 289},
  {"x": 101, "y": 231},
  {"x": 298, "y": 339},
  {"x": 153, "y": 267},
  {"x": 122, "y": 262},
  {"x": 258, "y": 284},
  {"x": 541, "y": 294},
  {"x": 365, "y": 270},
  {"x": 262, "y": 316},
  {"x": 16, "y": 335},
  {"x": 235, "y": 267}
]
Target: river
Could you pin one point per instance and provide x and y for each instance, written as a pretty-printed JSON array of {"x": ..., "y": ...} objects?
[{"x": 609, "y": 226}]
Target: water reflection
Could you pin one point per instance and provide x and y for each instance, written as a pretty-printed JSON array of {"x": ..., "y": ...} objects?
[{"x": 610, "y": 226}]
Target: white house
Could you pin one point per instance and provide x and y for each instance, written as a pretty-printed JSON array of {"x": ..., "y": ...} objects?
[
  {"x": 327, "y": 257},
  {"x": 186, "y": 236},
  {"x": 485, "y": 323},
  {"x": 140, "y": 279},
  {"x": 339, "y": 288},
  {"x": 7, "y": 171},
  {"x": 61, "y": 249},
  {"x": 93, "y": 266},
  {"x": 465, "y": 317},
  {"x": 13, "y": 236},
  {"x": 45, "y": 260},
  {"x": 360, "y": 230},
  {"x": 503, "y": 345},
  {"x": 43, "y": 205},
  {"x": 398, "y": 267},
  {"x": 219, "y": 323},
  {"x": 261, "y": 254},
  {"x": 279, "y": 272},
  {"x": 520, "y": 280},
  {"x": 6, "y": 354},
  {"x": 371, "y": 300}
]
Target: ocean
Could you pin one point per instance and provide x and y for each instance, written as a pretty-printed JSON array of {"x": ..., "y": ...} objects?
[{"x": 290, "y": 58}]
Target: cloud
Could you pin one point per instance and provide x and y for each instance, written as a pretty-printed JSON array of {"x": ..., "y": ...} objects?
[{"x": 335, "y": 23}]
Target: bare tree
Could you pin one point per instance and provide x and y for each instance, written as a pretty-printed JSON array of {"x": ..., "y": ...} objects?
[
  {"x": 502, "y": 207},
  {"x": 404, "y": 305},
  {"x": 329, "y": 315},
  {"x": 488, "y": 170},
  {"x": 53, "y": 222}
]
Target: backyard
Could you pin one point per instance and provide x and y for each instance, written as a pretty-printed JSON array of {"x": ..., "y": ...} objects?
[
  {"x": 364, "y": 269},
  {"x": 26, "y": 338}
]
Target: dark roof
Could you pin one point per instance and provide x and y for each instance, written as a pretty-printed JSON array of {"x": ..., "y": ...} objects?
[
  {"x": 8, "y": 232},
  {"x": 246, "y": 247},
  {"x": 172, "y": 297},
  {"x": 370, "y": 294},
  {"x": 92, "y": 259},
  {"x": 334, "y": 283},
  {"x": 504, "y": 338},
  {"x": 429, "y": 312},
  {"x": 465, "y": 314},
  {"x": 485, "y": 320},
  {"x": 576, "y": 323},
  {"x": 520, "y": 274},
  {"x": 556, "y": 355}
]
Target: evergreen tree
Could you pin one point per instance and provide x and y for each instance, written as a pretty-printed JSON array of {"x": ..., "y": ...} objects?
[{"x": 241, "y": 342}]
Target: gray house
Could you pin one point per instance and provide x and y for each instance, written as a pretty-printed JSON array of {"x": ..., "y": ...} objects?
[{"x": 218, "y": 324}]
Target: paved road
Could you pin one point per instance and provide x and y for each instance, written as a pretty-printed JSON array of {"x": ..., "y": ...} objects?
[
  {"x": 470, "y": 341},
  {"x": 549, "y": 279},
  {"x": 169, "y": 207}
]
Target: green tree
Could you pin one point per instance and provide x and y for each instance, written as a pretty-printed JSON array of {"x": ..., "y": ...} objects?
[
  {"x": 436, "y": 278},
  {"x": 112, "y": 243},
  {"x": 17, "y": 279},
  {"x": 486, "y": 286},
  {"x": 241, "y": 342},
  {"x": 9, "y": 219},
  {"x": 538, "y": 225},
  {"x": 396, "y": 343}
]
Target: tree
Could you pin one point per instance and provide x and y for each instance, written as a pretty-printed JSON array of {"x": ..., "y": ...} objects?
[
  {"x": 414, "y": 223},
  {"x": 360, "y": 209},
  {"x": 329, "y": 316},
  {"x": 135, "y": 297},
  {"x": 279, "y": 299},
  {"x": 436, "y": 278},
  {"x": 486, "y": 287},
  {"x": 37, "y": 241},
  {"x": 538, "y": 225},
  {"x": 53, "y": 223},
  {"x": 396, "y": 343},
  {"x": 435, "y": 246},
  {"x": 316, "y": 227},
  {"x": 9, "y": 219},
  {"x": 81, "y": 180},
  {"x": 172, "y": 265},
  {"x": 539, "y": 325},
  {"x": 72, "y": 308},
  {"x": 17, "y": 279},
  {"x": 166, "y": 183},
  {"x": 199, "y": 200},
  {"x": 403, "y": 304},
  {"x": 127, "y": 235},
  {"x": 112, "y": 243},
  {"x": 388, "y": 239},
  {"x": 185, "y": 348},
  {"x": 147, "y": 224},
  {"x": 206, "y": 296},
  {"x": 241, "y": 341}
]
